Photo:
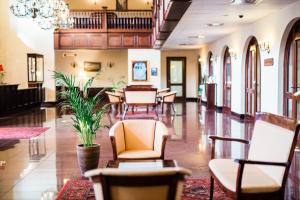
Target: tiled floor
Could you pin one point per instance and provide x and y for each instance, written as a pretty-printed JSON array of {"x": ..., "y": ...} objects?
[{"x": 25, "y": 178}]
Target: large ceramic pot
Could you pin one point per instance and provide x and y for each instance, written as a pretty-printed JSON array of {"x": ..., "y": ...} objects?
[{"x": 88, "y": 157}]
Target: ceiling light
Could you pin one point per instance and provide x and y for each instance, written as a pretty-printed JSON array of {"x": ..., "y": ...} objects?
[
  {"x": 197, "y": 36},
  {"x": 215, "y": 24},
  {"x": 240, "y": 2}
]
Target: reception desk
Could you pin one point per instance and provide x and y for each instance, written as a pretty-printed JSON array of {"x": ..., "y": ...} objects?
[{"x": 13, "y": 99}]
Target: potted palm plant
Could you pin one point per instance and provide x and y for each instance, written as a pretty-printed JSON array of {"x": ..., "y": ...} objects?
[{"x": 86, "y": 120}]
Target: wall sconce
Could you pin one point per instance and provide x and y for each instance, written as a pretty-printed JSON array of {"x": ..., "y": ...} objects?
[
  {"x": 200, "y": 60},
  {"x": 214, "y": 59},
  {"x": 265, "y": 46},
  {"x": 94, "y": 2},
  {"x": 232, "y": 53}
]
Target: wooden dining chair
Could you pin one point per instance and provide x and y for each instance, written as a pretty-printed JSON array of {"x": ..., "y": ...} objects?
[
  {"x": 115, "y": 99},
  {"x": 264, "y": 174},
  {"x": 140, "y": 97},
  {"x": 168, "y": 98}
]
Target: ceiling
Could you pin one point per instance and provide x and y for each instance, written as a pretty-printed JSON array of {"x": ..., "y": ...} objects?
[{"x": 202, "y": 12}]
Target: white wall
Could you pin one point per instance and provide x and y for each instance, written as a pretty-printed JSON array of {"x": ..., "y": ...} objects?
[
  {"x": 17, "y": 38},
  {"x": 152, "y": 57},
  {"x": 271, "y": 28}
]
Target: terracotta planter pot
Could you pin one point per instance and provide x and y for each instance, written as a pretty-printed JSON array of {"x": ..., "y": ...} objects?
[{"x": 88, "y": 157}]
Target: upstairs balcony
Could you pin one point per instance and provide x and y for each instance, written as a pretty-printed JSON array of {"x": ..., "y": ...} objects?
[
  {"x": 109, "y": 29},
  {"x": 105, "y": 29}
]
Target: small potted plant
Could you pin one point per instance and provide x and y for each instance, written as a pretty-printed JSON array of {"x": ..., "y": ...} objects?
[
  {"x": 86, "y": 119},
  {"x": 2, "y": 74}
]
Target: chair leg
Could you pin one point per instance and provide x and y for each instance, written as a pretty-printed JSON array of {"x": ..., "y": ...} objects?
[
  {"x": 162, "y": 108},
  {"x": 109, "y": 119},
  {"x": 173, "y": 107},
  {"x": 125, "y": 110},
  {"x": 156, "y": 113},
  {"x": 211, "y": 194}
]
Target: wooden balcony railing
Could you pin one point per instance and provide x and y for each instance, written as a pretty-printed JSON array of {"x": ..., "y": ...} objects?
[
  {"x": 105, "y": 29},
  {"x": 112, "y": 20}
]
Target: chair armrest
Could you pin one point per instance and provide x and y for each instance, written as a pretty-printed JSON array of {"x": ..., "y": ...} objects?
[
  {"x": 163, "y": 90},
  {"x": 241, "y": 168},
  {"x": 116, "y": 134},
  {"x": 214, "y": 138},
  {"x": 256, "y": 162},
  {"x": 161, "y": 136}
]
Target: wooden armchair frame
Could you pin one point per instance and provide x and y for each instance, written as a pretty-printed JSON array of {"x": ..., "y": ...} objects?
[{"x": 270, "y": 118}]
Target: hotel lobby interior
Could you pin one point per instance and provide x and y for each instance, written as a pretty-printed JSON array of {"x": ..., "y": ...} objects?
[{"x": 149, "y": 99}]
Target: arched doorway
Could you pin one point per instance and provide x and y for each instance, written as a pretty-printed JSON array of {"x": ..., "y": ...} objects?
[
  {"x": 292, "y": 71},
  {"x": 252, "y": 79},
  {"x": 210, "y": 64},
  {"x": 227, "y": 81}
]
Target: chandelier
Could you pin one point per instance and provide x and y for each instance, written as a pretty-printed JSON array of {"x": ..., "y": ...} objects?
[{"x": 49, "y": 14}]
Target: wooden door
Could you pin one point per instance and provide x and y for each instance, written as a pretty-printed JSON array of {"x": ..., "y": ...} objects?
[
  {"x": 227, "y": 82},
  {"x": 252, "y": 79},
  {"x": 292, "y": 74},
  {"x": 176, "y": 76}
]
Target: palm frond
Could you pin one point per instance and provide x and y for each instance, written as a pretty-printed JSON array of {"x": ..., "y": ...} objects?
[{"x": 86, "y": 120}]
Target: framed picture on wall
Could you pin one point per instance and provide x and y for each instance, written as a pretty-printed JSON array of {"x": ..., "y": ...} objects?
[
  {"x": 92, "y": 66},
  {"x": 139, "y": 71},
  {"x": 121, "y": 5},
  {"x": 154, "y": 71}
]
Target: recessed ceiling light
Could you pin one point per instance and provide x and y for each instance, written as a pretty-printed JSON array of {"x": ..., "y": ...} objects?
[
  {"x": 197, "y": 36},
  {"x": 215, "y": 24},
  {"x": 184, "y": 44},
  {"x": 239, "y": 2}
]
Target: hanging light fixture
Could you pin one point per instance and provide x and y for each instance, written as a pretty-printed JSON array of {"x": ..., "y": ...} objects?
[{"x": 49, "y": 14}]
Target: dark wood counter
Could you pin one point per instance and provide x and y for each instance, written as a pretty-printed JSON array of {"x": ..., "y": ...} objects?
[{"x": 13, "y": 99}]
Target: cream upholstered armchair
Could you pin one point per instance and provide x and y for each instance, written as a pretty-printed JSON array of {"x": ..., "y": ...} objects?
[
  {"x": 138, "y": 139},
  {"x": 168, "y": 98},
  {"x": 121, "y": 184},
  {"x": 163, "y": 91},
  {"x": 264, "y": 174},
  {"x": 115, "y": 99}
]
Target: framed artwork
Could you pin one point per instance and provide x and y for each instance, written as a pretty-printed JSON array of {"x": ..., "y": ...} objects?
[
  {"x": 92, "y": 66},
  {"x": 121, "y": 5},
  {"x": 154, "y": 71},
  {"x": 139, "y": 71}
]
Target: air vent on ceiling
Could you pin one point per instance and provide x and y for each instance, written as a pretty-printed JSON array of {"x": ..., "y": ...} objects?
[{"x": 237, "y": 2}]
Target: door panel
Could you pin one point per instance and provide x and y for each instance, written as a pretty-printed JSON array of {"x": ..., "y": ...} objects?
[
  {"x": 292, "y": 74},
  {"x": 227, "y": 82},
  {"x": 252, "y": 80},
  {"x": 176, "y": 76}
]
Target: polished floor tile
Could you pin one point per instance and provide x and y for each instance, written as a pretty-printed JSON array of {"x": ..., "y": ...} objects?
[{"x": 27, "y": 175}]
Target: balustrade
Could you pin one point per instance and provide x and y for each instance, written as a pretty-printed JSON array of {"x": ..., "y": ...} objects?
[{"x": 112, "y": 19}]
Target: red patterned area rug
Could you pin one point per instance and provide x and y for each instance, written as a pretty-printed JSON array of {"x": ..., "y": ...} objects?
[
  {"x": 21, "y": 132},
  {"x": 194, "y": 189}
]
